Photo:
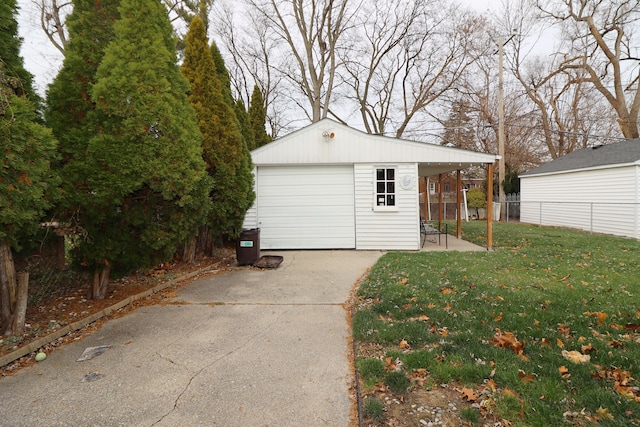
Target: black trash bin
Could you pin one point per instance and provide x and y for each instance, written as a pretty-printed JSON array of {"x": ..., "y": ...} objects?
[{"x": 248, "y": 246}]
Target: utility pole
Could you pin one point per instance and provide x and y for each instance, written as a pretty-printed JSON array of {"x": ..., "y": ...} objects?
[{"x": 501, "y": 165}]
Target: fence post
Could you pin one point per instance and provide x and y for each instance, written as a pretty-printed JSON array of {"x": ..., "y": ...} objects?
[{"x": 540, "y": 215}]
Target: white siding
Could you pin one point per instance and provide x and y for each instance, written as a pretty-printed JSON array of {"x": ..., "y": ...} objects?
[
  {"x": 602, "y": 200},
  {"x": 306, "y": 207},
  {"x": 351, "y": 146},
  {"x": 389, "y": 229}
]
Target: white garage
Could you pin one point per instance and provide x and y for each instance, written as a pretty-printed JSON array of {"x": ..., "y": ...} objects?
[{"x": 328, "y": 186}]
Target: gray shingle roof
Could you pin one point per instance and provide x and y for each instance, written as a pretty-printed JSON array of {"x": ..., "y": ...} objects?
[{"x": 627, "y": 151}]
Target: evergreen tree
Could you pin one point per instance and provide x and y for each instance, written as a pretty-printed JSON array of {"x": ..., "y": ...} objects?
[
  {"x": 245, "y": 126},
  {"x": 223, "y": 74},
  {"x": 27, "y": 187},
  {"x": 147, "y": 187},
  {"x": 224, "y": 150},
  {"x": 257, "y": 118},
  {"x": 90, "y": 30},
  {"x": 12, "y": 62}
]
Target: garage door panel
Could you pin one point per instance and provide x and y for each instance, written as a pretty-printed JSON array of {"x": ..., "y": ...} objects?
[{"x": 309, "y": 207}]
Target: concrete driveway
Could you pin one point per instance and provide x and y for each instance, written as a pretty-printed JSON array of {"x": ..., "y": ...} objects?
[{"x": 245, "y": 348}]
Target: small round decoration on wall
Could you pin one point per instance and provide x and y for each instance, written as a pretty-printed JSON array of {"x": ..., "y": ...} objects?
[{"x": 408, "y": 182}]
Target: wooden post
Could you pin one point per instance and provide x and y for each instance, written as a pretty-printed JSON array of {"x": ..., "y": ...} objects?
[
  {"x": 458, "y": 201},
  {"x": 440, "y": 204},
  {"x": 22, "y": 296},
  {"x": 490, "y": 207}
]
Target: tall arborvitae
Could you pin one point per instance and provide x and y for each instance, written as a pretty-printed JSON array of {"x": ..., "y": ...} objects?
[
  {"x": 244, "y": 177},
  {"x": 224, "y": 149},
  {"x": 20, "y": 80},
  {"x": 90, "y": 29},
  {"x": 257, "y": 118},
  {"x": 245, "y": 126},
  {"x": 147, "y": 185},
  {"x": 27, "y": 183},
  {"x": 223, "y": 74}
]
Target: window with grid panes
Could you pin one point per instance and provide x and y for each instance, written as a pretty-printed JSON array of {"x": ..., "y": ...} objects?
[{"x": 385, "y": 187}]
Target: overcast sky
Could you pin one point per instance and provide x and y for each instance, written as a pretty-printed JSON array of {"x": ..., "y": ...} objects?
[{"x": 43, "y": 60}]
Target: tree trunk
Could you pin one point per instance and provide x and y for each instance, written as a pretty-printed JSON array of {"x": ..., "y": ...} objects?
[
  {"x": 205, "y": 241},
  {"x": 189, "y": 251},
  {"x": 100, "y": 284},
  {"x": 22, "y": 296},
  {"x": 7, "y": 286}
]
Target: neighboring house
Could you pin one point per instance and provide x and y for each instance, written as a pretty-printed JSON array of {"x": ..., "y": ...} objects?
[
  {"x": 328, "y": 186},
  {"x": 595, "y": 189}
]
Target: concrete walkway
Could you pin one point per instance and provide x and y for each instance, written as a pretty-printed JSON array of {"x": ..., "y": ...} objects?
[
  {"x": 245, "y": 348},
  {"x": 454, "y": 244}
]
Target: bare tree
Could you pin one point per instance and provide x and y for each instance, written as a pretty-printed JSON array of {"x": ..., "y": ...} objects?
[
  {"x": 410, "y": 54},
  {"x": 310, "y": 31},
  {"x": 53, "y": 15},
  {"x": 250, "y": 45},
  {"x": 603, "y": 45}
]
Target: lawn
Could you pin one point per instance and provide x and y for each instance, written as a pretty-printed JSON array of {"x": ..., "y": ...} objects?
[{"x": 542, "y": 331}]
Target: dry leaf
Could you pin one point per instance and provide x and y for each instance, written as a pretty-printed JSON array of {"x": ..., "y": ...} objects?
[
  {"x": 545, "y": 342},
  {"x": 615, "y": 344},
  {"x": 509, "y": 393},
  {"x": 598, "y": 314},
  {"x": 559, "y": 343},
  {"x": 603, "y": 414},
  {"x": 575, "y": 356},
  {"x": 526, "y": 378},
  {"x": 564, "y": 372},
  {"x": 588, "y": 349},
  {"x": 492, "y": 385},
  {"x": 403, "y": 281},
  {"x": 634, "y": 327},
  {"x": 445, "y": 291},
  {"x": 468, "y": 394},
  {"x": 404, "y": 344}
]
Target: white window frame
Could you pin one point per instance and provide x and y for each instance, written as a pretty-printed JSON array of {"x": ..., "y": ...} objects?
[{"x": 386, "y": 193}]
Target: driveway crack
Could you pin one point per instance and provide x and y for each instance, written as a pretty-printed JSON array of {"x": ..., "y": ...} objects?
[{"x": 199, "y": 371}]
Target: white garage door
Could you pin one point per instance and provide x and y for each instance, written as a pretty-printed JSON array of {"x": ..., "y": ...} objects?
[{"x": 306, "y": 207}]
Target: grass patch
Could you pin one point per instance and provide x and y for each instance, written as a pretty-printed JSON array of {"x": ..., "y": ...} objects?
[
  {"x": 373, "y": 408},
  {"x": 500, "y": 320}
]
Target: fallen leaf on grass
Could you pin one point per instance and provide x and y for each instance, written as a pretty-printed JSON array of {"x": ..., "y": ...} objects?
[
  {"x": 404, "y": 345},
  {"x": 509, "y": 340},
  {"x": 598, "y": 314},
  {"x": 575, "y": 356},
  {"x": 403, "y": 281},
  {"x": 634, "y": 327},
  {"x": 468, "y": 394},
  {"x": 588, "y": 349},
  {"x": 564, "y": 372},
  {"x": 603, "y": 413},
  {"x": 526, "y": 378},
  {"x": 615, "y": 344}
]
